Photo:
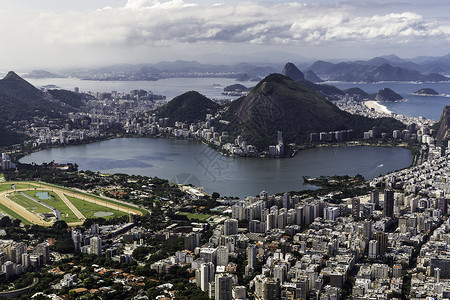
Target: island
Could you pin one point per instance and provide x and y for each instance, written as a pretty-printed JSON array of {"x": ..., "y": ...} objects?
[
  {"x": 426, "y": 92},
  {"x": 388, "y": 95}
]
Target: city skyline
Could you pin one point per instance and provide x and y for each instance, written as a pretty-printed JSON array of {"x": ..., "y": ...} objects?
[{"x": 53, "y": 34}]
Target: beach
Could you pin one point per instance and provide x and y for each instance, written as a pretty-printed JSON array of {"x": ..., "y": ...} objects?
[{"x": 377, "y": 107}]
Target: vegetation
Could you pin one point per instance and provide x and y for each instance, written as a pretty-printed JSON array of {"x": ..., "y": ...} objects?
[
  {"x": 88, "y": 209},
  {"x": 29, "y": 204},
  {"x": 192, "y": 217},
  {"x": 66, "y": 213},
  {"x": 189, "y": 107},
  {"x": 278, "y": 103},
  {"x": 387, "y": 95},
  {"x": 68, "y": 97}
]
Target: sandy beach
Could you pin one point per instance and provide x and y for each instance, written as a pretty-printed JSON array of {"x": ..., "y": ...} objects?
[{"x": 377, "y": 107}]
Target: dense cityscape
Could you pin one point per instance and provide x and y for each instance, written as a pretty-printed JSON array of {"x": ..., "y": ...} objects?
[{"x": 377, "y": 239}]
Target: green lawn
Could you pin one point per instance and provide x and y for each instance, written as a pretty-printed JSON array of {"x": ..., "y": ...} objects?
[
  {"x": 13, "y": 214},
  {"x": 88, "y": 209},
  {"x": 78, "y": 193},
  {"x": 66, "y": 214},
  {"x": 200, "y": 217},
  {"x": 7, "y": 186},
  {"x": 29, "y": 204}
]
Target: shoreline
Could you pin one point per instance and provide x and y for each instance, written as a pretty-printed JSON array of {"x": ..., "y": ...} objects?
[{"x": 380, "y": 108}]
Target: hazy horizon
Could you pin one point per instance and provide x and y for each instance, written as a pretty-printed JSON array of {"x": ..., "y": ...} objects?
[{"x": 52, "y": 34}]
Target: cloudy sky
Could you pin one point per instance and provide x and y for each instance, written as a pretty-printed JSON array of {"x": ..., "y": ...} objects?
[{"x": 64, "y": 33}]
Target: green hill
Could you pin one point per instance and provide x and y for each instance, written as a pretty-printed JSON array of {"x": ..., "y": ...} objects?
[
  {"x": 189, "y": 107},
  {"x": 19, "y": 101},
  {"x": 68, "y": 97},
  {"x": 278, "y": 103},
  {"x": 388, "y": 95}
]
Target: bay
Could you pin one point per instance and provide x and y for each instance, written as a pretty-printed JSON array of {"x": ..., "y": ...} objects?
[
  {"x": 183, "y": 161},
  {"x": 170, "y": 87},
  {"x": 430, "y": 107}
]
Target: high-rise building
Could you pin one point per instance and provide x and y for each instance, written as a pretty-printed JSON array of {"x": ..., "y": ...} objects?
[
  {"x": 222, "y": 256},
  {"x": 355, "y": 208},
  {"x": 271, "y": 290},
  {"x": 373, "y": 249},
  {"x": 239, "y": 292},
  {"x": 397, "y": 271},
  {"x": 8, "y": 268},
  {"x": 442, "y": 204},
  {"x": 230, "y": 227},
  {"x": 26, "y": 260},
  {"x": 206, "y": 275},
  {"x": 388, "y": 206},
  {"x": 191, "y": 241},
  {"x": 42, "y": 250},
  {"x": 367, "y": 229},
  {"x": 208, "y": 254},
  {"x": 375, "y": 198},
  {"x": 77, "y": 237},
  {"x": 223, "y": 286},
  {"x": 280, "y": 272},
  {"x": 96, "y": 245},
  {"x": 251, "y": 256},
  {"x": 382, "y": 242}
]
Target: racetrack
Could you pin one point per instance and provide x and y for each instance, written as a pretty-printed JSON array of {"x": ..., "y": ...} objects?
[{"x": 35, "y": 219}]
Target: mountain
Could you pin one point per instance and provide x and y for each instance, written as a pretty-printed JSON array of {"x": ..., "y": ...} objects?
[
  {"x": 443, "y": 125},
  {"x": 311, "y": 76},
  {"x": 375, "y": 70},
  {"x": 278, "y": 103},
  {"x": 388, "y": 95},
  {"x": 291, "y": 71},
  {"x": 356, "y": 91},
  {"x": 21, "y": 101},
  {"x": 42, "y": 74},
  {"x": 68, "y": 97},
  {"x": 189, "y": 107},
  {"x": 16, "y": 87}
]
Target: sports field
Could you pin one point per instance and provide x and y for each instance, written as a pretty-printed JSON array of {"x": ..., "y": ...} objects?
[{"x": 43, "y": 204}]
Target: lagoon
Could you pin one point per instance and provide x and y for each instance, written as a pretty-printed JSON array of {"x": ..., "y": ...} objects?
[{"x": 184, "y": 161}]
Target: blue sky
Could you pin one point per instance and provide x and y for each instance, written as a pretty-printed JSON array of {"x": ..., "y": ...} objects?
[{"x": 63, "y": 33}]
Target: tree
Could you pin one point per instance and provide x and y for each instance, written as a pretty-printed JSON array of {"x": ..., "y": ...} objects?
[
  {"x": 140, "y": 253},
  {"x": 60, "y": 225}
]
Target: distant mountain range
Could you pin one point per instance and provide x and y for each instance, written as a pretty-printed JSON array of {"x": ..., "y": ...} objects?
[
  {"x": 384, "y": 68},
  {"x": 357, "y": 71}
]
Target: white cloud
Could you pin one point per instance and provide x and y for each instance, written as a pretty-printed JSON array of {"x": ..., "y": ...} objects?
[
  {"x": 152, "y": 22},
  {"x": 162, "y": 27},
  {"x": 144, "y": 4}
]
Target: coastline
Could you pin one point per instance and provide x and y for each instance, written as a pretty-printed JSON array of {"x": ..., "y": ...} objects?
[{"x": 380, "y": 108}]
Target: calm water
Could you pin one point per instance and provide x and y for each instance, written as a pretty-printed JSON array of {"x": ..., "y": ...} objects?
[
  {"x": 185, "y": 161},
  {"x": 415, "y": 106},
  {"x": 171, "y": 87}
]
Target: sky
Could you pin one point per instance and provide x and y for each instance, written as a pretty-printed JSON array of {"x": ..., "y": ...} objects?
[{"x": 86, "y": 33}]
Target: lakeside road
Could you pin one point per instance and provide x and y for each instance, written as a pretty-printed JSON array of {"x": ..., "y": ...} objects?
[{"x": 378, "y": 107}]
